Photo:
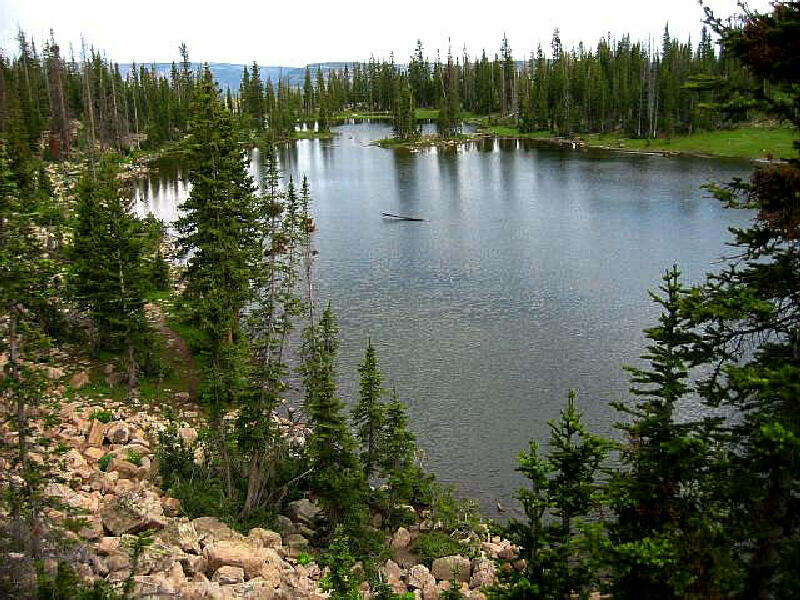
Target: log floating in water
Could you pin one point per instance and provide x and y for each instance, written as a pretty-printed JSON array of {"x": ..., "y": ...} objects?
[{"x": 402, "y": 217}]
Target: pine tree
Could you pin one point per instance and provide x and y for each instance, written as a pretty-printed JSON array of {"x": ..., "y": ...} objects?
[
  {"x": 109, "y": 277},
  {"x": 562, "y": 487},
  {"x": 658, "y": 536},
  {"x": 337, "y": 478},
  {"x": 221, "y": 241},
  {"x": 369, "y": 412},
  {"x": 750, "y": 324}
]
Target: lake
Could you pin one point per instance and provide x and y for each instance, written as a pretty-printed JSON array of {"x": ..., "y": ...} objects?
[{"x": 528, "y": 278}]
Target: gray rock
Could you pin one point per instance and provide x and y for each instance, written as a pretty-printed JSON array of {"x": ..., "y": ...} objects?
[
  {"x": 304, "y": 511},
  {"x": 119, "y": 432},
  {"x": 211, "y": 530},
  {"x": 401, "y": 538},
  {"x": 131, "y": 513},
  {"x": 285, "y": 525},
  {"x": 452, "y": 567},
  {"x": 296, "y": 544}
]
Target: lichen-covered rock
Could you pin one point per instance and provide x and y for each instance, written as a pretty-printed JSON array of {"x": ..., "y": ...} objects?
[
  {"x": 239, "y": 554},
  {"x": 401, "y": 538},
  {"x": 483, "y": 574},
  {"x": 296, "y": 543},
  {"x": 119, "y": 432},
  {"x": 452, "y": 567},
  {"x": 304, "y": 511},
  {"x": 131, "y": 513},
  {"x": 394, "y": 574},
  {"x": 211, "y": 530},
  {"x": 182, "y": 534},
  {"x": 264, "y": 538},
  {"x": 420, "y": 577},
  {"x": 227, "y": 575}
]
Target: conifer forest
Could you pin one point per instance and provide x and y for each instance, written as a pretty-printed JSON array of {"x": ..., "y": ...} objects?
[{"x": 200, "y": 396}]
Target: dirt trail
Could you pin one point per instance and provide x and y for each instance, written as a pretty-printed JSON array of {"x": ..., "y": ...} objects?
[{"x": 180, "y": 352}]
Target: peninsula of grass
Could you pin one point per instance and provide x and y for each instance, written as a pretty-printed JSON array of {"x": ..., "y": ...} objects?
[{"x": 748, "y": 142}]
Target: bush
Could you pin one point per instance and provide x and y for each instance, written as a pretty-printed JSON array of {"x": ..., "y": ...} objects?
[
  {"x": 134, "y": 457},
  {"x": 436, "y": 544},
  {"x": 105, "y": 461},
  {"x": 175, "y": 458},
  {"x": 104, "y": 416}
]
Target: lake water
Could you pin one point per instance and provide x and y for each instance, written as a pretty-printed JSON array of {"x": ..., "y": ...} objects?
[{"x": 528, "y": 278}]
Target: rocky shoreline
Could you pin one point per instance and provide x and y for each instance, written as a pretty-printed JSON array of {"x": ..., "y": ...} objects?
[{"x": 110, "y": 478}]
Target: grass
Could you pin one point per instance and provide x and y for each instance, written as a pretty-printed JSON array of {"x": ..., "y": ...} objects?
[
  {"x": 748, "y": 142},
  {"x": 743, "y": 142}
]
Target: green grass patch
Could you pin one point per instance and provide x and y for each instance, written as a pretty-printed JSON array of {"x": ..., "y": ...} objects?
[
  {"x": 134, "y": 457},
  {"x": 743, "y": 142},
  {"x": 505, "y": 131}
]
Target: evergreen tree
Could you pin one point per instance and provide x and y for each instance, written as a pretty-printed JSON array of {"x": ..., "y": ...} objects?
[
  {"x": 562, "y": 489},
  {"x": 750, "y": 325},
  {"x": 221, "y": 240},
  {"x": 369, "y": 412},
  {"x": 659, "y": 540},
  {"x": 337, "y": 478},
  {"x": 109, "y": 278}
]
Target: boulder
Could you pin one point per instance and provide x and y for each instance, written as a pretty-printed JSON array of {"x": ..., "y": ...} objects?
[
  {"x": 273, "y": 568},
  {"x": 55, "y": 372},
  {"x": 182, "y": 534},
  {"x": 172, "y": 506},
  {"x": 304, "y": 511},
  {"x": 394, "y": 577},
  {"x": 125, "y": 468},
  {"x": 227, "y": 575},
  {"x": 119, "y": 432},
  {"x": 210, "y": 530},
  {"x": 452, "y": 567},
  {"x": 285, "y": 525},
  {"x": 187, "y": 434},
  {"x": 296, "y": 543},
  {"x": 131, "y": 513},
  {"x": 78, "y": 380},
  {"x": 94, "y": 453},
  {"x": 76, "y": 463},
  {"x": 507, "y": 552},
  {"x": 401, "y": 538},
  {"x": 97, "y": 434},
  {"x": 239, "y": 554},
  {"x": 108, "y": 545},
  {"x": 263, "y": 538},
  {"x": 420, "y": 577},
  {"x": 483, "y": 574}
]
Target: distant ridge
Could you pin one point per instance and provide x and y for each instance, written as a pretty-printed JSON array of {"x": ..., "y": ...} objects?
[{"x": 229, "y": 75}]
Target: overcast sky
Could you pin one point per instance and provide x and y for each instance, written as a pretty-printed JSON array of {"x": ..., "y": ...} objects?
[{"x": 297, "y": 32}]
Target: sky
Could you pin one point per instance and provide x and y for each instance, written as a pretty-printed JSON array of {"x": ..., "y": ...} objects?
[{"x": 297, "y": 32}]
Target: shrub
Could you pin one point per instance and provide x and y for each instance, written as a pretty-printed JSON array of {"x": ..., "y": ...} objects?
[
  {"x": 436, "y": 544},
  {"x": 104, "y": 416},
  {"x": 105, "y": 461},
  {"x": 134, "y": 457}
]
